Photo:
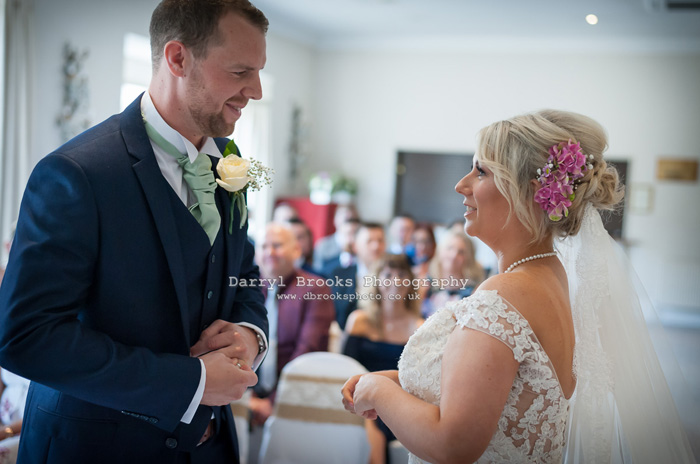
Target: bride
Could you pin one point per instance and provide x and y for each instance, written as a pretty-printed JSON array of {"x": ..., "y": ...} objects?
[{"x": 549, "y": 360}]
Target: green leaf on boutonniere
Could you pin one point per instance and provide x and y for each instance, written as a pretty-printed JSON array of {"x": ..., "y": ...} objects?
[
  {"x": 231, "y": 149},
  {"x": 236, "y": 198},
  {"x": 242, "y": 209}
]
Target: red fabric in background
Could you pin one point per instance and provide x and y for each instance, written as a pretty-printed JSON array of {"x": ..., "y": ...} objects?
[{"x": 319, "y": 218}]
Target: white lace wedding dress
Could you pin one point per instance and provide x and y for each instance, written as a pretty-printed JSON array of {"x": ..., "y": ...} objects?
[{"x": 533, "y": 423}]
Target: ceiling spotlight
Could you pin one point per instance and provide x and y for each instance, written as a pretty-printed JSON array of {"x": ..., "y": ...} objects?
[{"x": 592, "y": 19}]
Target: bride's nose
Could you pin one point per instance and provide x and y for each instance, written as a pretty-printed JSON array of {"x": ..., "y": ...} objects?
[{"x": 463, "y": 186}]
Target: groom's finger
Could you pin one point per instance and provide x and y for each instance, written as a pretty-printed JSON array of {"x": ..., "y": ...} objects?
[{"x": 224, "y": 336}]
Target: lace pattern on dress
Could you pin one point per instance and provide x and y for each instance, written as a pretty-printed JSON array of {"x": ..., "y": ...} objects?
[{"x": 533, "y": 422}]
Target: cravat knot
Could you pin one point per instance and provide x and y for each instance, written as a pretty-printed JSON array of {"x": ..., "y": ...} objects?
[{"x": 200, "y": 179}]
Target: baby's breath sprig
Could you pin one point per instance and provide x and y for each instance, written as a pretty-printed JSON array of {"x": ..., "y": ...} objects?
[{"x": 260, "y": 175}]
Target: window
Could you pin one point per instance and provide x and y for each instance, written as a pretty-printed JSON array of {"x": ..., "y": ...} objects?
[{"x": 136, "y": 69}]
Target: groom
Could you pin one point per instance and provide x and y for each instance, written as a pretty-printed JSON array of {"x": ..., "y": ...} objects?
[{"x": 116, "y": 300}]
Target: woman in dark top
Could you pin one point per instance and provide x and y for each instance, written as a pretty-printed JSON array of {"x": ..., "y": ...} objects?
[{"x": 377, "y": 332}]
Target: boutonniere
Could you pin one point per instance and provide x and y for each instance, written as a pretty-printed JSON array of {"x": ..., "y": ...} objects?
[{"x": 237, "y": 176}]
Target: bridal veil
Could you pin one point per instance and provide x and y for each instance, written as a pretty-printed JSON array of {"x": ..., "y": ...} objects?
[{"x": 622, "y": 410}]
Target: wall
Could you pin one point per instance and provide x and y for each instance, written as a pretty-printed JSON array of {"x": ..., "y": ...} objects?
[
  {"x": 370, "y": 104},
  {"x": 98, "y": 26},
  {"x": 292, "y": 66},
  {"x": 361, "y": 107}
]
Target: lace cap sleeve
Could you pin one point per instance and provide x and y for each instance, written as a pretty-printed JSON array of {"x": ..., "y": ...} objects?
[{"x": 487, "y": 312}]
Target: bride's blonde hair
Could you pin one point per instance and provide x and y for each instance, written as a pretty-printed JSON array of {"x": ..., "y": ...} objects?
[{"x": 516, "y": 148}]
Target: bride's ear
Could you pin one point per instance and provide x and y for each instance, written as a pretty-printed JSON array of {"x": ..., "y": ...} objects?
[{"x": 534, "y": 187}]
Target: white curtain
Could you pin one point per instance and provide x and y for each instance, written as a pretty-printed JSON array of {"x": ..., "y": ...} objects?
[{"x": 16, "y": 107}]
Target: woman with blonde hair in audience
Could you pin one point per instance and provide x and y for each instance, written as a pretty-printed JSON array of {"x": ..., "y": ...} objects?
[
  {"x": 453, "y": 272},
  {"x": 377, "y": 331}
]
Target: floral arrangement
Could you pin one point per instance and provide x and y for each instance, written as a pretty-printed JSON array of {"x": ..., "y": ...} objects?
[
  {"x": 565, "y": 165},
  {"x": 325, "y": 187},
  {"x": 237, "y": 176}
]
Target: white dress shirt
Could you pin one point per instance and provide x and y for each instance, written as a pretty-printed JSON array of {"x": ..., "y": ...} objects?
[{"x": 268, "y": 369}]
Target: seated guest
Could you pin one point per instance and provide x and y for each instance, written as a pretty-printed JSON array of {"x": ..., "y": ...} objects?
[
  {"x": 425, "y": 245},
  {"x": 346, "y": 258},
  {"x": 13, "y": 396},
  {"x": 284, "y": 212},
  {"x": 369, "y": 247},
  {"x": 484, "y": 255},
  {"x": 454, "y": 272},
  {"x": 8, "y": 245},
  {"x": 377, "y": 332},
  {"x": 330, "y": 247},
  {"x": 305, "y": 238},
  {"x": 401, "y": 236},
  {"x": 299, "y": 323}
]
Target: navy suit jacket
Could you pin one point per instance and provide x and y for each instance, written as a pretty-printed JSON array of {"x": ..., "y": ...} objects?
[{"x": 93, "y": 306}]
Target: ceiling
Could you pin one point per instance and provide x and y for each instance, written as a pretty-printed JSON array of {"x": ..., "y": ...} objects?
[{"x": 641, "y": 24}]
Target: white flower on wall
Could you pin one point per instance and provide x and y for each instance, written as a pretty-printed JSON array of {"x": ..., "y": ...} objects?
[{"x": 74, "y": 115}]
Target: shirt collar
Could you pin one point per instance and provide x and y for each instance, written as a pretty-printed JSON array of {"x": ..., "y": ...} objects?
[
  {"x": 150, "y": 113},
  {"x": 362, "y": 270}
]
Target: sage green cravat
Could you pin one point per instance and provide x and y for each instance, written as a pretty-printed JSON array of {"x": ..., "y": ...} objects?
[{"x": 200, "y": 178}]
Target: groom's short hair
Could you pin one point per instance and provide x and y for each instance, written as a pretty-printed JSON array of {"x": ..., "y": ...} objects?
[{"x": 195, "y": 23}]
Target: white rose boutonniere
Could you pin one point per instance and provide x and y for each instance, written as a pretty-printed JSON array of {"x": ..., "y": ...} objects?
[
  {"x": 237, "y": 175},
  {"x": 233, "y": 173}
]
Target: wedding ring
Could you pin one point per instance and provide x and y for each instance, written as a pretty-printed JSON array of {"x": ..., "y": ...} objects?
[{"x": 238, "y": 363}]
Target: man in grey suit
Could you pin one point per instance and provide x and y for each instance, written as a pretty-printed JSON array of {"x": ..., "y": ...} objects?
[{"x": 116, "y": 302}]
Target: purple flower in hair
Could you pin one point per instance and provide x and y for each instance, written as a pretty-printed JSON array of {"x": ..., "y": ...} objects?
[{"x": 565, "y": 165}]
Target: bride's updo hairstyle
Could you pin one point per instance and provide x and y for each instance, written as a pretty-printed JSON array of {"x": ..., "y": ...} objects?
[{"x": 516, "y": 148}]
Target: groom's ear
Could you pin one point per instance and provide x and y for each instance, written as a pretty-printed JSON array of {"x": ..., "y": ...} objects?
[{"x": 177, "y": 57}]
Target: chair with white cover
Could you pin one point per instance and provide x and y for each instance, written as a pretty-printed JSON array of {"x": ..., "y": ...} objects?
[
  {"x": 309, "y": 424},
  {"x": 239, "y": 409}
]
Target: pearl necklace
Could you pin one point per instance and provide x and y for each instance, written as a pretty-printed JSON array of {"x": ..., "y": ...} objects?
[{"x": 529, "y": 258}]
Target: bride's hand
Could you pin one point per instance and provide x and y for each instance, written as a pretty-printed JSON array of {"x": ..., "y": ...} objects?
[
  {"x": 348, "y": 392},
  {"x": 349, "y": 397},
  {"x": 365, "y": 392}
]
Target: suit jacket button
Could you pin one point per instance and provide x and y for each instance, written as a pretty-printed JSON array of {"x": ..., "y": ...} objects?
[
  {"x": 209, "y": 295},
  {"x": 171, "y": 443}
]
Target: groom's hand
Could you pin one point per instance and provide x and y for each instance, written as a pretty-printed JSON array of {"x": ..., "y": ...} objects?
[
  {"x": 230, "y": 339},
  {"x": 227, "y": 379}
]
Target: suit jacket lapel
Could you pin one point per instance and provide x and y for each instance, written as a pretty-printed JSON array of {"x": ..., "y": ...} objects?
[
  {"x": 156, "y": 191},
  {"x": 223, "y": 202}
]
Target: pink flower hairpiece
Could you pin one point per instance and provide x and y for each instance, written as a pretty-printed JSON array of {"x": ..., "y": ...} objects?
[{"x": 565, "y": 165}]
